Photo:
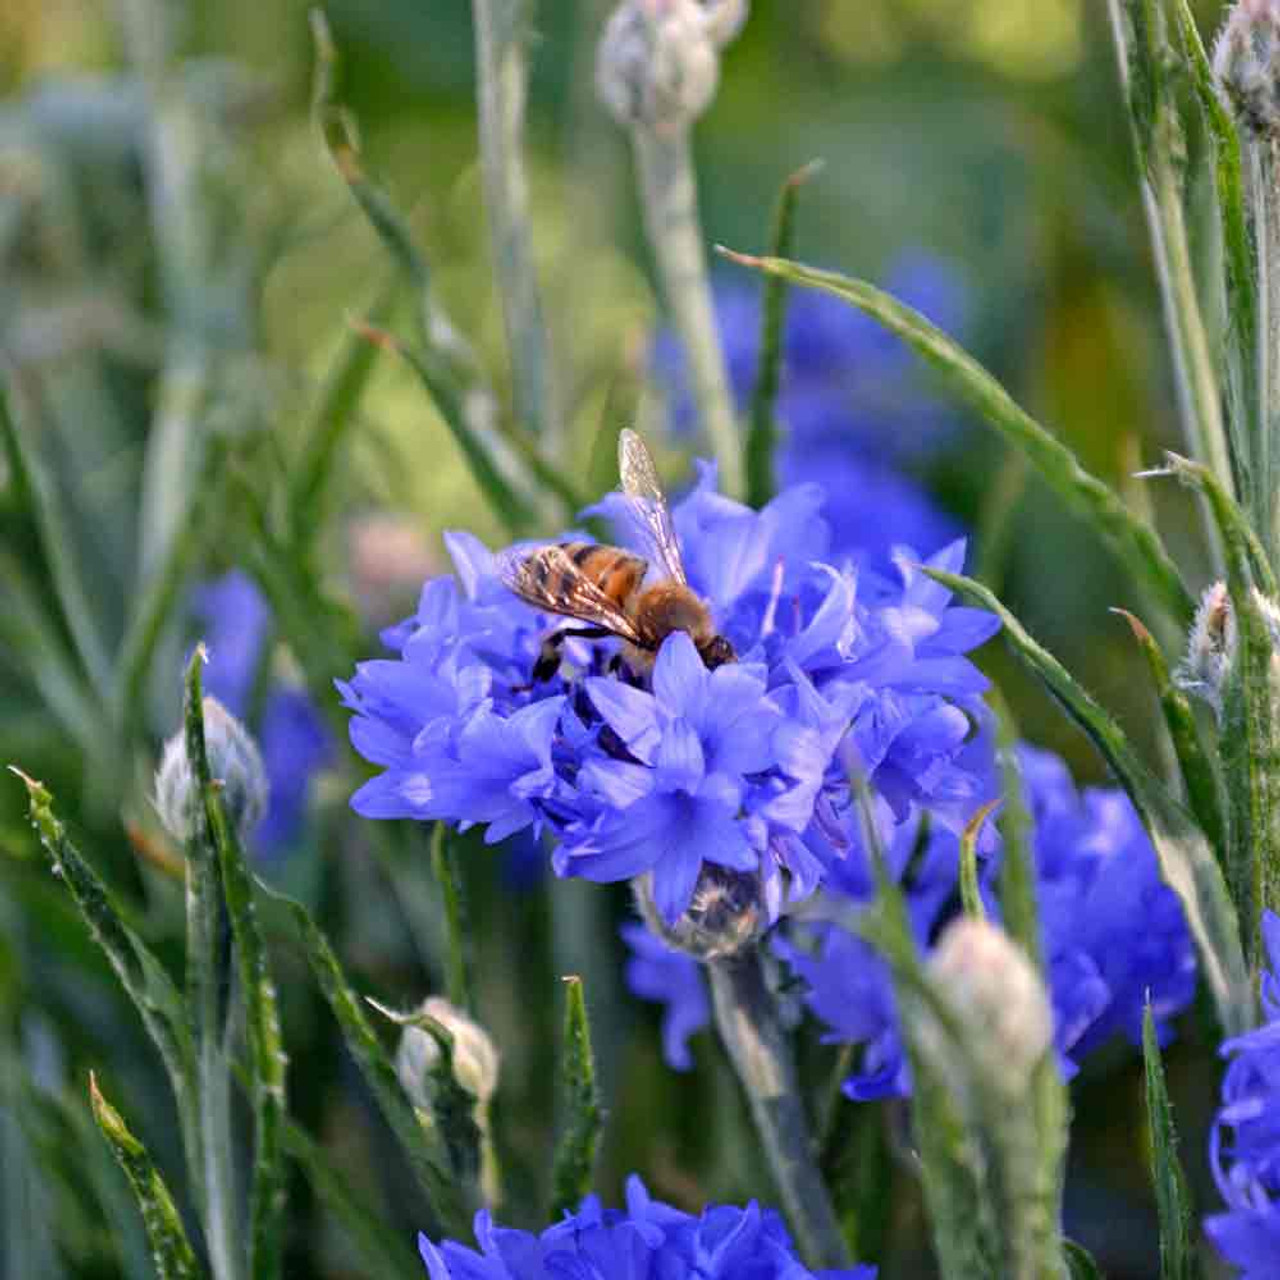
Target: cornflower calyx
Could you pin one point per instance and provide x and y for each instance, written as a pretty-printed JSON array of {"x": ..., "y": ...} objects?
[
  {"x": 475, "y": 1056},
  {"x": 658, "y": 63},
  {"x": 1246, "y": 60},
  {"x": 1211, "y": 648},
  {"x": 235, "y": 763}
]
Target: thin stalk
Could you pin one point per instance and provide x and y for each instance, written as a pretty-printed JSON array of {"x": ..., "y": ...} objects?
[
  {"x": 1264, "y": 197},
  {"x": 669, "y": 197},
  {"x": 502, "y": 32},
  {"x": 747, "y": 1019}
]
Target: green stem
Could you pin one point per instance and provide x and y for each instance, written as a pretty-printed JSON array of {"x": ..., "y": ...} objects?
[
  {"x": 1265, "y": 200},
  {"x": 747, "y": 1019},
  {"x": 669, "y": 196},
  {"x": 502, "y": 29}
]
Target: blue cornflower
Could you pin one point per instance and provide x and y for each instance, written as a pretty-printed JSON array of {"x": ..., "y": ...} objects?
[
  {"x": 648, "y": 1240},
  {"x": 1246, "y": 1164},
  {"x": 707, "y": 787},
  {"x": 293, "y": 738}
]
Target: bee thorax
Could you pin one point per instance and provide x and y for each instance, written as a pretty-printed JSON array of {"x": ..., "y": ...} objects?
[{"x": 669, "y": 607}]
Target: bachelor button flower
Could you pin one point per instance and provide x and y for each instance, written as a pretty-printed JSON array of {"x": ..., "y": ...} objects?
[
  {"x": 294, "y": 740},
  {"x": 1246, "y": 1160},
  {"x": 648, "y": 1240}
]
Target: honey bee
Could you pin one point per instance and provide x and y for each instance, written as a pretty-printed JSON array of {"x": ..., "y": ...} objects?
[{"x": 605, "y": 586}]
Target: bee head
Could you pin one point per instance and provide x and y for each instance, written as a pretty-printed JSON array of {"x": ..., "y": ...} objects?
[{"x": 716, "y": 652}]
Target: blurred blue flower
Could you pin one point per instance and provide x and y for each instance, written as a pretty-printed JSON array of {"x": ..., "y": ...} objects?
[
  {"x": 852, "y": 408},
  {"x": 690, "y": 769},
  {"x": 1246, "y": 1164},
  {"x": 648, "y": 1240},
  {"x": 663, "y": 975},
  {"x": 291, "y": 733}
]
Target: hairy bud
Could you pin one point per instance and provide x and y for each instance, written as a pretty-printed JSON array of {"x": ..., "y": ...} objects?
[
  {"x": 726, "y": 914},
  {"x": 475, "y": 1056},
  {"x": 1246, "y": 60},
  {"x": 1211, "y": 648},
  {"x": 658, "y": 62},
  {"x": 995, "y": 990},
  {"x": 234, "y": 762}
]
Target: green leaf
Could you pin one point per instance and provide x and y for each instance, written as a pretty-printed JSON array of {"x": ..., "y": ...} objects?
[
  {"x": 170, "y": 1249},
  {"x": 1018, "y": 903},
  {"x": 762, "y": 435},
  {"x": 1080, "y": 1263},
  {"x": 1177, "y": 1254},
  {"x": 139, "y": 971},
  {"x": 382, "y": 1252},
  {"x": 267, "y": 1059},
  {"x": 1199, "y": 776},
  {"x": 423, "y": 1146},
  {"x": 574, "y": 1167},
  {"x": 1187, "y": 862},
  {"x": 970, "y": 894},
  {"x": 1135, "y": 542},
  {"x": 507, "y": 505}
]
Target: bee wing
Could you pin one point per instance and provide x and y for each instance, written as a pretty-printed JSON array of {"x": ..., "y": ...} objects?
[
  {"x": 547, "y": 578},
  {"x": 649, "y": 505}
]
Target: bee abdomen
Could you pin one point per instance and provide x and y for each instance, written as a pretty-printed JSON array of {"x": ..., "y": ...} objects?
[{"x": 615, "y": 572}]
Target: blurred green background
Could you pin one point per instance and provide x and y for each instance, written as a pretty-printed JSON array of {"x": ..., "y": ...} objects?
[{"x": 988, "y": 132}]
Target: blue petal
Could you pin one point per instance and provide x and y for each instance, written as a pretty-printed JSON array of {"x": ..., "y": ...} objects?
[{"x": 631, "y": 713}]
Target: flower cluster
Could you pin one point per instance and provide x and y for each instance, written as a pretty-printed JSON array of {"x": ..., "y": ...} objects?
[
  {"x": 855, "y": 416},
  {"x": 724, "y": 785},
  {"x": 1246, "y": 1164},
  {"x": 1096, "y": 875},
  {"x": 648, "y": 1240},
  {"x": 291, "y": 734}
]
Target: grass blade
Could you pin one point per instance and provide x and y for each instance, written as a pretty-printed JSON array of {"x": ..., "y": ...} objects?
[
  {"x": 1134, "y": 542},
  {"x": 422, "y": 1145},
  {"x": 170, "y": 1248},
  {"x": 444, "y": 866},
  {"x": 267, "y": 1059},
  {"x": 140, "y": 973},
  {"x": 1199, "y": 776},
  {"x": 1187, "y": 861},
  {"x": 1018, "y": 904},
  {"x": 574, "y": 1166},
  {"x": 762, "y": 433},
  {"x": 970, "y": 894},
  {"x": 1177, "y": 1256},
  {"x": 1080, "y": 1263}
]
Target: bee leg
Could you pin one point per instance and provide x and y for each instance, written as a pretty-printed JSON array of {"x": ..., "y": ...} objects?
[{"x": 548, "y": 661}]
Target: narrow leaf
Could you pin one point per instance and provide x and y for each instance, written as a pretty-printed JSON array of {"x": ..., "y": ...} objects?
[
  {"x": 1187, "y": 862},
  {"x": 1177, "y": 1254},
  {"x": 1080, "y": 1263},
  {"x": 1018, "y": 904},
  {"x": 575, "y": 1158},
  {"x": 1199, "y": 776},
  {"x": 139, "y": 971},
  {"x": 505, "y": 503},
  {"x": 423, "y": 1147},
  {"x": 382, "y": 1252},
  {"x": 970, "y": 894},
  {"x": 1134, "y": 541},
  {"x": 267, "y": 1059},
  {"x": 762, "y": 436},
  {"x": 170, "y": 1248}
]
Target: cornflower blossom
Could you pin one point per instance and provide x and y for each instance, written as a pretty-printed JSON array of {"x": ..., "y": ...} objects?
[
  {"x": 1096, "y": 873},
  {"x": 690, "y": 773},
  {"x": 1244, "y": 1144},
  {"x": 853, "y": 411},
  {"x": 648, "y": 1240},
  {"x": 291, "y": 733}
]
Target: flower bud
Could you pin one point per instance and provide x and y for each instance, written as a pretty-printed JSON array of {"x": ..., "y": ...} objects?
[
  {"x": 726, "y": 914},
  {"x": 1211, "y": 648},
  {"x": 475, "y": 1056},
  {"x": 996, "y": 992},
  {"x": 234, "y": 762},
  {"x": 658, "y": 62},
  {"x": 1246, "y": 61}
]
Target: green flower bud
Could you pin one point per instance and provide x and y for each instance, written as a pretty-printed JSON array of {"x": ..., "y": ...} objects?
[
  {"x": 1211, "y": 648},
  {"x": 234, "y": 762},
  {"x": 475, "y": 1057},
  {"x": 726, "y": 914}
]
